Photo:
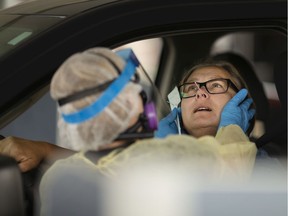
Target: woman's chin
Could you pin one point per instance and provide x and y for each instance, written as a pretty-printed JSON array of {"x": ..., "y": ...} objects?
[{"x": 203, "y": 129}]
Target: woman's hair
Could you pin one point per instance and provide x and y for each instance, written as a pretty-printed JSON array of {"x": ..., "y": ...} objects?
[
  {"x": 210, "y": 62},
  {"x": 231, "y": 69}
]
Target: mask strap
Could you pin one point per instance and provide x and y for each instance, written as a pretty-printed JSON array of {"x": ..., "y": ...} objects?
[{"x": 108, "y": 95}]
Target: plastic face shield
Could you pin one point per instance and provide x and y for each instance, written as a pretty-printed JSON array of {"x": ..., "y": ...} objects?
[
  {"x": 152, "y": 92},
  {"x": 148, "y": 120},
  {"x": 133, "y": 71}
]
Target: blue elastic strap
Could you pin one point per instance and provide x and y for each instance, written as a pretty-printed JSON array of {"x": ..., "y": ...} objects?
[
  {"x": 109, "y": 94},
  {"x": 127, "y": 55}
]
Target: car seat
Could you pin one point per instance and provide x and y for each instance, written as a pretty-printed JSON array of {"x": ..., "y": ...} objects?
[
  {"x": 255, "y": 86},
  {"x": 11, "y": 188},
  {"x": 274, "y": 138},
  {"x": 278, "y": 132}
]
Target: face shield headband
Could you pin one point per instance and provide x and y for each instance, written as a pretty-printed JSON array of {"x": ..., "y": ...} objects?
[{"x": 110, "y": 90}]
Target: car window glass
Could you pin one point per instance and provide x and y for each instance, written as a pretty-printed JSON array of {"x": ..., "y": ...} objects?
[{"x": 148, "y": 53}]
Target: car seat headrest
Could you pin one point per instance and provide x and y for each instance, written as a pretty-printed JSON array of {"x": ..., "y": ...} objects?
[
  {"x": 280, "y": 79},
  {"x": 249, "y": 75}
]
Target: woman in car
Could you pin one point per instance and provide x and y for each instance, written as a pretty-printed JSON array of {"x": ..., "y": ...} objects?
[{"x": 204, "y": 90}]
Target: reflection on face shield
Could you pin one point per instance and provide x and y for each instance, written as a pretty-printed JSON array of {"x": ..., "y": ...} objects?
[{"x": 147, "y": 120}]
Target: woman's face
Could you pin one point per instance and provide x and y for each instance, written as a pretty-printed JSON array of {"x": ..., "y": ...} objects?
[{"x": 201, "y": 114}]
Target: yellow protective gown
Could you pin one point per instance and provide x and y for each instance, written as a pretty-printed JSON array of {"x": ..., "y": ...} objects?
[
  {"x": 155, "y": 167},
  {"x": 229, "y": 153}
]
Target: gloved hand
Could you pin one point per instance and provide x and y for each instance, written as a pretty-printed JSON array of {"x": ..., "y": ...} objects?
[
  {"x": 237, "y": 111},
  {"x": 168, "y": 125}
]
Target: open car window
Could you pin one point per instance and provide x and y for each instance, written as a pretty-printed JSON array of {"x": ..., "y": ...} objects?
[{"x": 167, "y": 58}]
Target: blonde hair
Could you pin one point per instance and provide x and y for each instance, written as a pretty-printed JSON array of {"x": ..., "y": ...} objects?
[{"x": 240, "y": 83}]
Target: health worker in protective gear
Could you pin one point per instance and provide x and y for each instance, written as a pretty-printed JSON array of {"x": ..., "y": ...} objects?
[
  {"x": 99, "y": 67},
  {"x": 100, "y": 100},
  {"x": 102, "y": 107}
]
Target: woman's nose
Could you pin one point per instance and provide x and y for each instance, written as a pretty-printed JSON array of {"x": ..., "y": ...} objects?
[{"x": 201, "y": 93}]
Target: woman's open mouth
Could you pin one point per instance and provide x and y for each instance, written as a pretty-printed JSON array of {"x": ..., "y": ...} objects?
[{"x": 202, "y": 109}]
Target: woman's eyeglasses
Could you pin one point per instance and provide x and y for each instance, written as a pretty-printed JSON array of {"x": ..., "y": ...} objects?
[{"x": 214, "y": 86}]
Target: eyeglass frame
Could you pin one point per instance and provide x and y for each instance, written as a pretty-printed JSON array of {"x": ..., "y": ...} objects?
[{"x": 200, "y": 84}]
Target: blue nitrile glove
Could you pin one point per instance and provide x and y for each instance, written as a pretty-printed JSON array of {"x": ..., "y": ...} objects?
[
  {"x": 237, "y": 111},
  {"x": 168, "y": 125}
]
